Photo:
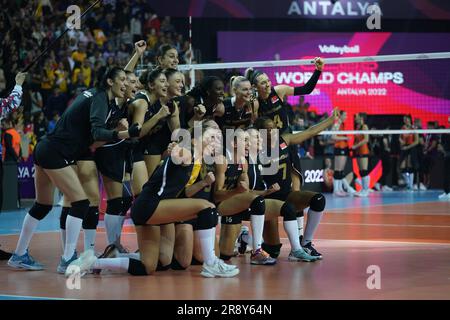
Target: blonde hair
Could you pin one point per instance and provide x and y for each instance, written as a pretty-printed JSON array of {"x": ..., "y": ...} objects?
[{"x": 235, "y": 82}]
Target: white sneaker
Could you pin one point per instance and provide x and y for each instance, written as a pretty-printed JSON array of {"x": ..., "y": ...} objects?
[
  {"x": 444, "y": 196},
  {"x": 422, "y": 186},
  {"x": 350, "y": 190},
  {"x": 415, "y": 187},
  {"x": 241, "y": 246},
  {"x": 377, "y": 186},
  {"x": 340, "y": 194},
  {"x": 362, "y": 193},
  {"x": 228, "y": 266},
  {"x": 386, "y": 188},
  {"x": 83, "y": 264},
  {"x": 219, "y": 269}
]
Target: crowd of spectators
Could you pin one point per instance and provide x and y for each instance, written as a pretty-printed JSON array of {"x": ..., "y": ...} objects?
[{"x": 106, "y": 38}]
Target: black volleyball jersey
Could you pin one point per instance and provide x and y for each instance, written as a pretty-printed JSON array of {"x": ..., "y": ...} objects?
[
  {"x": 169, "y": 179},
  {"x": 116, "y": 114},
  {"x": 232, "y": 174},
  {"x": 83, "y": 122},
  {"x": 255, "y": 179},
  {"x": 233, "y": 118},
  {"x": 274, "y": 108},
  {"x": 205, "y": 193},
  {"x": 161, "y": 129},
  {"x": 283, "y": 175}
]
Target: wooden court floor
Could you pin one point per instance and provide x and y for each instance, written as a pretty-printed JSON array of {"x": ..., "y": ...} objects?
[{"x": 409, "y": 241}]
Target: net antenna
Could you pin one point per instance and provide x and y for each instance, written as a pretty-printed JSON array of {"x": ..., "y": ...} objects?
[{"x": 191, "y": 70}]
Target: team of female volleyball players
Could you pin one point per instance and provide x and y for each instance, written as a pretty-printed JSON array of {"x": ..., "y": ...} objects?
[{"x": 130, "y": 127}]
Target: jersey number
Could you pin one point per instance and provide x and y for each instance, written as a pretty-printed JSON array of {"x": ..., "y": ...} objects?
[
  {"x": 284, "y": 168},
  {"x": 278, "y": 121}
]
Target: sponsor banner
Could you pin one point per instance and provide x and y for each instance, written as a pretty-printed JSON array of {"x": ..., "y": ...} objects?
[
  {"x": 419, "y": 87},
  {"x": 301, "y": 9},
  {"x": 25, "y": 175}
]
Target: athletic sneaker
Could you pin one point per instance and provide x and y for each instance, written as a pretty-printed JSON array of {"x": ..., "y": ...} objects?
[
  {"x": 309, "y": 248},
  {"x": 261, "y": 257},
  {"x": 348, "y": 188},
  {"x": 351, "y": 191},
  {"x": 111, "y": 251},
  {"x": 301, "y": 255},
  {"x": 24, "y": 262},
  {"x": 121, "y": 248},
  {"x": 422, "y": 187},
  {"x": 228, "y": 266},
  {"x": 362, "y": 193},
  {"x": 340, "y": 194},
  {"x": 242, "y": 245},
  {"x": 444, "y": 196},
  {"x": 63, "y": 264},
  {"x": 219, "y": 269},
  {"x": 386, "y": 188},
  {"x": 84, "y": 263}
]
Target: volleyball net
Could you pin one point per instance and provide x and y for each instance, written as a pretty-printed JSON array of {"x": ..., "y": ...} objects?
[{"x": 385, "y": 87}]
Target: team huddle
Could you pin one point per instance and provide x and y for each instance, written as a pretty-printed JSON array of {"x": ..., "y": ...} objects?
[{"x": 129, "y": 131}]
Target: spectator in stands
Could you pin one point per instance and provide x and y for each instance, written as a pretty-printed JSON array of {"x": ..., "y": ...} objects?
[
  {"x": 57, "y": 102},
  {"x": 39, "y": 125},
  {"x": 136, "y": 28},
  {"x": 52, "y": 123},
  {"x": 10, "y": 141}
]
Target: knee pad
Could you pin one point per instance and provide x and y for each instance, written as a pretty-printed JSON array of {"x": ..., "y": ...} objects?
[
  {"x": 126, "y": 205},
  {"x": 79, "y": 209},
  {"x": 404, "y": 170},
  {"x": 195, "y": 262},
  {"x": 63, "y": 218},
  {"x": 410, "y": 170},
  {"x": 90, "y": 222},
  {"x": 175, "y": 265},
  {"x": 258, "y": 206},
  {"x": 160, "y": 267},
  {"x": 317, "y": 202},
  {"x": 114, "y": 206},
  {"x": 288, "y": 212},
  {"x": 364, "y": 173},
  {"x": 272, "y": 249},
  {"x": 207, "y": 219},
  {"x": 300, "y": 214},
  {"x": 236, "y": 219},
  {"x": 136, "y": 268},
  {"x": 39, "y": 211},
  {"x": 338, "y": 175},
  {"x": 225, "y": 257}
]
